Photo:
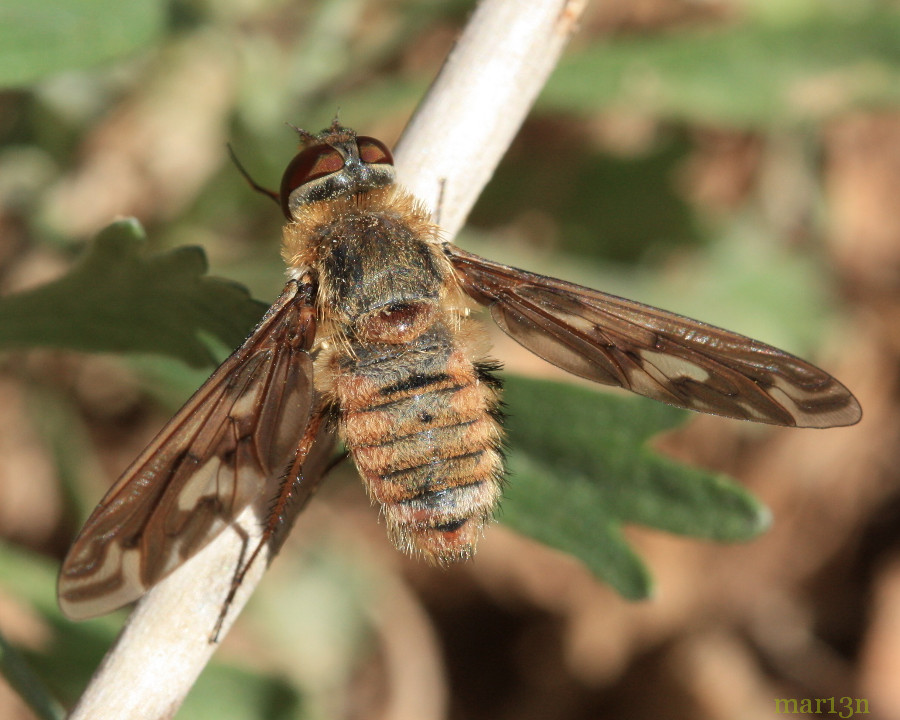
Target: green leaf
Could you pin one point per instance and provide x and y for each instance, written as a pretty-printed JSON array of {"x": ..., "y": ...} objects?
[
  {"x": 38, "y": 39},
  {"x": 752, "y": 74},
  {"x": 580, "y": 468},
  {"x": 76, "y": 650},
  {"x": 25, "y": 682},
  {"x": 230, "y": 693},
  {"x": 116, "y": 300},
  {"x": 223, "y": 692}
]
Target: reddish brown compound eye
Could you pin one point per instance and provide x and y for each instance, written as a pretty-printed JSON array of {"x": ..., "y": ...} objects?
[
  {"x": 313, "y": 162},
  {"x": 373, "y": 151}
]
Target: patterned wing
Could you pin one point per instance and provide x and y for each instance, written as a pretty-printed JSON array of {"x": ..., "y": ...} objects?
[
  {"x": 652, "y": 352},
  {"x": 205, "y": 466}
]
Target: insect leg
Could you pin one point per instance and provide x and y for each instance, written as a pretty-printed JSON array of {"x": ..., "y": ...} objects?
[{"x": 311, "y": 461}]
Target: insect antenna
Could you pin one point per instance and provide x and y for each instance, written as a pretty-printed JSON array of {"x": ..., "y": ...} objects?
[
  {"x": 306, "y": 138},
  {"x": 255, "y": 185}
]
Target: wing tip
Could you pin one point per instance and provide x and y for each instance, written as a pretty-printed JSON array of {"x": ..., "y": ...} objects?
[
  {"x": 76, "y": 606},
  {"x": 850, "y": 413}
]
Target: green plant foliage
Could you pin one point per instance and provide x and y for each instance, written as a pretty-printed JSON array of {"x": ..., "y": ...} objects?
[
  {"x": 76, "y": 648},
  {"x": 38, "y": 39},
  {"x": 223, "y": 692},
  {"x": 754, "y": 74},
  {"x": 580, "y": 468},
  {"x": 117, "y": 300},
  {"x": 228, "y": 693},
  {"x": 20, "y": 676},
  {"x": 598, "y": 203}
]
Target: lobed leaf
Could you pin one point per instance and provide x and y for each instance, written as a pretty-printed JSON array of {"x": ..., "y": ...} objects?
[
  {"x": 117, "y": 300},
  {"x": 580, "y": 468}
]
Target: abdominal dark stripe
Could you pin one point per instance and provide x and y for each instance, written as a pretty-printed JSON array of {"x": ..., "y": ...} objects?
[
  {"x": 410, "y": 400},
  {"x": 431, "y": 464},
  {"x": 451, "y": 526},
  {"x": 414, "y": 382},
  {"x": 433, "y": 429},
  {"x": 445, "y": 470},
  {"x": 443, "y": 498}
]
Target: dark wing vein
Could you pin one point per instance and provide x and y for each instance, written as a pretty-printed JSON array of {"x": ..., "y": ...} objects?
[
  {"x": 205, "y": 466},
  {"x": 652, "y": 352}
]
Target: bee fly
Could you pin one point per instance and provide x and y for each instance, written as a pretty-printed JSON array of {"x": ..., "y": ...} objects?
[{"x": 371, "y": 342}]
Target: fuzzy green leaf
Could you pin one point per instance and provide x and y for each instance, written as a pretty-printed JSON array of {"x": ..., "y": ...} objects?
[
  {"x": 116, "y": 300},
  {"x": 38, "y": 39},
  {"x": 580, "y": 468},
  {"x": 16, "y": 671},
  {"x": 222, "y": 692},
  {"x": 751, "y": 74}
]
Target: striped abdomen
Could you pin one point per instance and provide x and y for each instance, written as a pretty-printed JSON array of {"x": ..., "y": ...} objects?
[{"x": 421, "y": 422}]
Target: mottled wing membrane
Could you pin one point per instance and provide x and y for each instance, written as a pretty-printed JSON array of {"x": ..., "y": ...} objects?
[
  {"x": 652, "y": 352},
  {"x": 207, "y": 464}
]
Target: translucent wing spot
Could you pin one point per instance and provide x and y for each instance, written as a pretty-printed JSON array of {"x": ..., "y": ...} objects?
[{"x": 669, "y": 368}]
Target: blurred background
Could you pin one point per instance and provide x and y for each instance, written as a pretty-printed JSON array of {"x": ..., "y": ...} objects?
[{"x": 732, "y": 160}]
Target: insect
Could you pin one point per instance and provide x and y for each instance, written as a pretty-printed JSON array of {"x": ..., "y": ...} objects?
[{"x": 371, "y": 342}]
